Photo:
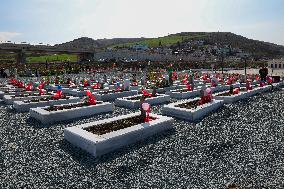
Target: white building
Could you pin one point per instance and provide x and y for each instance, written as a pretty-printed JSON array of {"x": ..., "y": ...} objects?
[{"x": 276, "y": 64}]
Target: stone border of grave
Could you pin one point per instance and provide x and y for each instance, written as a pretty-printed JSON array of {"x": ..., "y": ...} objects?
[
  {"x": 161, "y": 90},
  {"x": 21, "y": 106},
  {"x": 191, "y": 114},
  {"x": 135, "y": 88},
  {"x": 231, "y": 99},
  {"x": 258, "y": 90},
  {"x": 113, "y": 96},
  {"x": 9, "y": 100},
  {"x": 98, "y": 145},
  {"x": 81, "y": 93},
  {"x": 183, "y": 95},
  {"x": 252, "y": 83},
  {"x": 46, "y": 117},
  {"x": 2, "y": 93},
  {"x": 55, "y": 87},
  {"x": 134, "y": 104}
]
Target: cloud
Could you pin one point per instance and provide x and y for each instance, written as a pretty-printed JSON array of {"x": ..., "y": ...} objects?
[{"x": 8, "y": 36}]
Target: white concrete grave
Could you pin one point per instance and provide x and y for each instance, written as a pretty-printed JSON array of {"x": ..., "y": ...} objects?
[
  {"x": 98, "y": 145},
  {"x": 193, "y": 113}
]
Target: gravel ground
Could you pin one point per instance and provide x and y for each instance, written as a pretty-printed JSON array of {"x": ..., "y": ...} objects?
[{"x": 242, "y": 143}]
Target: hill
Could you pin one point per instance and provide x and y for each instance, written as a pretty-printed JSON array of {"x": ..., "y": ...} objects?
[
  {"x": 89, "y": 43},
  {"x": 257, "y": 48}
]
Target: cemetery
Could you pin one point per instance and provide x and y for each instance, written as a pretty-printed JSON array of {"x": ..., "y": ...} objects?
[
  {"x": 116, "y": 117},
  {"x": 123, "y": 94}
]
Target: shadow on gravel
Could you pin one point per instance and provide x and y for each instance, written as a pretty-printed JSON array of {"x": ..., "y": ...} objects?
[
  {"x": 35, "y": 123},
  {"x": 88, "y": 161}
]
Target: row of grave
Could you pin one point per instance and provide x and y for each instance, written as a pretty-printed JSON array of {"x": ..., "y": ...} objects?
[{"x": 104, "y": 136}]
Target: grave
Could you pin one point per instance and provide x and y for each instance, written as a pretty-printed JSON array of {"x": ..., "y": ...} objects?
[
  {"x": 133, "y": 102},
  {"x": 104, "y": 136},
  {"x": 51, "y": 114},
  {"x": 191, "y": 110}
]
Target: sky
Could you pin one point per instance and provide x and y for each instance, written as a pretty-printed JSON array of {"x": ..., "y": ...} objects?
[{"x": 58, "y": 21}]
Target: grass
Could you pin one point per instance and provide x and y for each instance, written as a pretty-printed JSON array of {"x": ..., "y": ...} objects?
[
  {"x": 167, "y": 40},
  {"x": 52, "y": 58}
]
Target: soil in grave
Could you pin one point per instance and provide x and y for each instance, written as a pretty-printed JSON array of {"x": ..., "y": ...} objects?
[
  {"x": 28, "y": 95},
  {"x": 68, "y": 106},
  {"x": 182, "y": 91},
  {"x": 111, "y": 92},
  {"x": 46, "y": 99},
  {"x": 189, "y": 105},
  {"x": 139, "y": 97},
  {"x": 225, "y": 94},
  {"x": 116, "y": 125}
]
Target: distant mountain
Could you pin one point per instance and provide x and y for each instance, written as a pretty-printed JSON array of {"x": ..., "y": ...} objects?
[{"x": 257, "y": 48}]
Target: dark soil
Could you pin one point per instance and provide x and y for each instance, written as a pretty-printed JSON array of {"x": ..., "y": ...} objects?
[
  {"x": 62, "y": 107},
  {"x": 139, "y": 97},
  {"x": 182, "y": 90},
  {"x": 44, "y": 99},
  {"x": 115, "y": 125},
  {"x": 31, "y": 94},
  {"x": 225, "y": 94},
  {"x": 110, "y": 91},
  {"x": 189, "y": 105}
]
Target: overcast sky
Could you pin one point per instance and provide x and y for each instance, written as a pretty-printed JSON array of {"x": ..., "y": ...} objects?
[{"x": 57, "y": 21}]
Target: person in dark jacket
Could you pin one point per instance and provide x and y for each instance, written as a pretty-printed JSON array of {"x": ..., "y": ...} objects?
[{"x": 263, "y": 72}]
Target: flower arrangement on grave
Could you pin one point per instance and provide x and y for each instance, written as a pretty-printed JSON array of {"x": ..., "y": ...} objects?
[
  {"x": 41, "y": 91},
  {"x": 13, "y": 81},
  {"x": 91, "y": 99},
  {"x": 146, "y": 114},
  {"x": 86, "y": 83},
  {"x": 261, "y": 84},
  {"x": 118, "y": 87},
  {"x": 269, "y": 80},
  {"x": 248, "y": 85},
  {"x": 204, "y": 77},
  {"x": 134, "y": 83},
  {"x": 96, "y": 86},
  {"x": 213, "y": 83},
  {"x": 29, "y": 87},
  {"x": 58, "y": 93},
  {"x": 188, "y": 87},
  {"x": 257, "y": 78},
  {"x": 21, "y": 84},
  {"x": 145, "y": 93},
  {"x": 229, "y": 81},
  {"x": 41, "y": 85},
  {"x": 206, "y": 96}
]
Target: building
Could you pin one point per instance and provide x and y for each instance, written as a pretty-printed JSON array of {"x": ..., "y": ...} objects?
[
  {"x": 140, "y": 47},
  {"x": 276, "y": 64}
]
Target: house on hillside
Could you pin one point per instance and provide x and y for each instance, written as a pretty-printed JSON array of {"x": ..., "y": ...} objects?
[
  {"x": 276, "y": 63},
  {"x": 140, "y": 47}
]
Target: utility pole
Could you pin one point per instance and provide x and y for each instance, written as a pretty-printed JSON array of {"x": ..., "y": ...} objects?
[{"x": 221, "y": 57}]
